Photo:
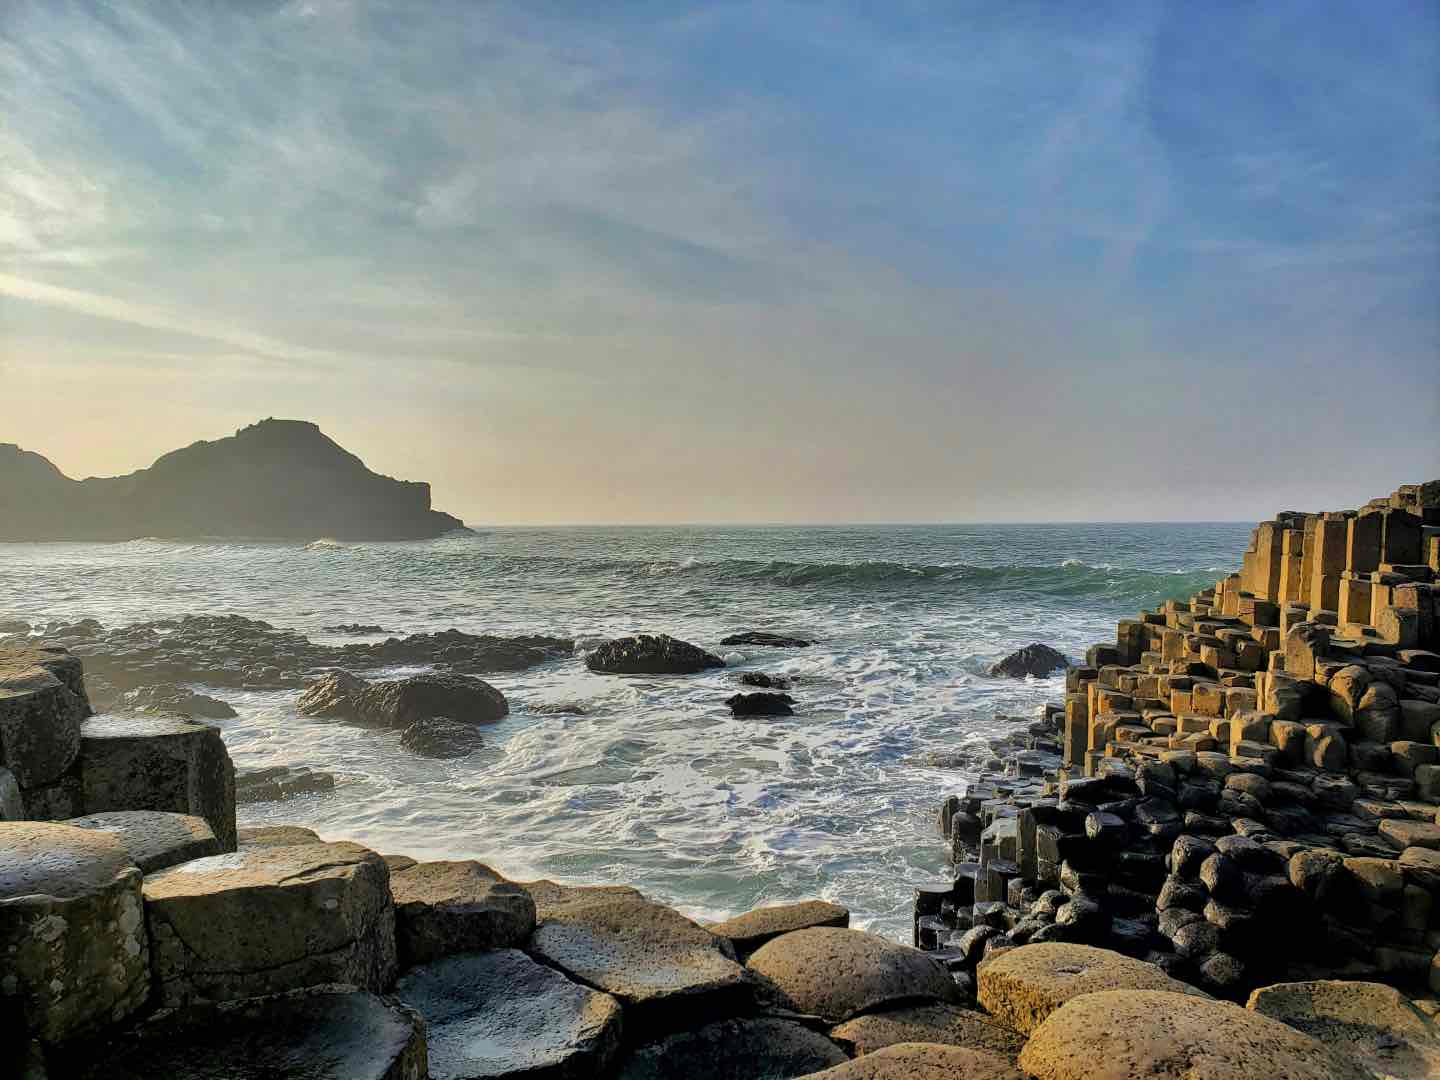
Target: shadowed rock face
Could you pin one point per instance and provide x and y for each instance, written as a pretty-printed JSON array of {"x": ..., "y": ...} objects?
[
  {"x": 650, "y": 654},
  {"x": 1037, "y": 659},
  {"x": 279, "y": 478}
]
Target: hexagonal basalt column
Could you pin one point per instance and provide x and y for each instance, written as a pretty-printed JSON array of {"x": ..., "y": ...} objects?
[
  {"x": 269, "y": 918},
  {"x": 72, "y": 929},
  {"x": 145, "y": 763},
  {"x": 42, "y": 705}
]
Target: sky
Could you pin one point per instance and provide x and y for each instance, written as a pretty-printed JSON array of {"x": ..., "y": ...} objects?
[{"x": 808, "y": 262}]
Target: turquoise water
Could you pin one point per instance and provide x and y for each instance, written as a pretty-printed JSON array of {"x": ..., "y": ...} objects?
[{"x": 656, "y": 784}]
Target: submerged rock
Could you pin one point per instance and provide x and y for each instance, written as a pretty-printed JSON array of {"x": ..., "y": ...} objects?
[
  {"x": 764, "y": 681},
  {"x": 1037, "y": 660},
  {"x": 279, "y": 782},
  {"x": 167, "y": 699},
  {"x": 774, "y": 641},
  {"x": 499, "y": 1013},
  {"x": 355, "y": 628},
  {"x": 761, "y": 704},
  {"x": 401, "y": 702},
  {"x": 440, "y": 737},
  {"x": 650, "y": 654}
]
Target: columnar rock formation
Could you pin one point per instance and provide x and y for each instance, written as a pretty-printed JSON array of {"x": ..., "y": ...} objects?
[{"x": 1243, "y": 786}]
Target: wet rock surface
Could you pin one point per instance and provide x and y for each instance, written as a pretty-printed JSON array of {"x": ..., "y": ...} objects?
[
  {"x": 278, "y": 782},
  {"x": 650, "y": 654},
  {"x": 661, "y": 965},
  {"x": 769, "y": 640},
  {"x": 171, "y": 700},
  {"x": 752, "y": 1048},
  {"x": 231, "y": 651},
  {"x": 400, "y": 703},
  {"x": 499, "y": 1013},
  {"x": 440, "y": 737},
  {"x": 761, "y": 704},
  {"x": 322, "y": 1034},
  {"x": 1036, "y": 659}
]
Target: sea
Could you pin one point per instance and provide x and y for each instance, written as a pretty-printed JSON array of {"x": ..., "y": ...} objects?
[{"x": 650, "y": 780}]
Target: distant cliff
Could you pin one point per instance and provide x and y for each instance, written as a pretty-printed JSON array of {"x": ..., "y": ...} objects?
[{"x": 281, "y": 479}]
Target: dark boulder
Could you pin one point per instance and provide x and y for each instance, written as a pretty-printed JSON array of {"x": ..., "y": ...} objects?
[
  {"x": 650, "y": 654},
  {"x": 399, "y": 703},
  {"x": 440, "y": 737},
  {"x": 1037, "y": 659},
  {"x": 764, "y": 681},
  {"x": 761, "y": 704},
  {"x": 760, "y": 637},
  {"x": 168, "y": 699},
  {"x": 279, "y": 782}
]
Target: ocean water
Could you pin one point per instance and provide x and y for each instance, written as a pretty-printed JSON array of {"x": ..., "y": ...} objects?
[{"x": 656, "y": 784}]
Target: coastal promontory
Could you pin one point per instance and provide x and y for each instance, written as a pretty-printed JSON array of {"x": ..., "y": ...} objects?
[{"x": 278, "y": 479}]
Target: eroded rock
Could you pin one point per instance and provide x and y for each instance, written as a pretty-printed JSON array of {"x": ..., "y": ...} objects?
[
  {"x": 922, "y": 1061},
  {"x": 1023, "y": 986},
  {"x": 650, "y": 654},
  {"x": 399, "y": 703},
  {"x": 1035, "y": 659},
  {"x": 72, "y": 931},
  {"x": 1140, "y": 1034},
  {"x": 837, "y": 974}
]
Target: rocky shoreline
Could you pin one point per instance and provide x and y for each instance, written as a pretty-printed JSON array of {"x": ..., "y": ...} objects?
[{"x": 1235, "y": 804}]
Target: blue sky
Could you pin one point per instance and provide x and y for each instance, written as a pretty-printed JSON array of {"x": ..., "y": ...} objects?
[{"x": 737, "y": 261}]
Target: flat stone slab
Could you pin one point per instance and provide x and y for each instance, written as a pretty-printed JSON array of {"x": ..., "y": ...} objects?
[
  {"x": 449, "y": 907},
  {"x": 72, "y": 929},
  {"x": 1374, "y": 1023},
  {"x": 269, "y": 918},
  {"x": 153, "y": 838},
  {"x": 923, "y": 1061},
  {"x": 1403, "y": 833},
  {"x": 500, "y": 1013},
  {"x": 276, "y": 836},
  {"x": 322, "y": 1034},
  {"x": 649, "y": 956},
  {"x": 749, "y": 931},
  {"x": 837, "y": 974},
  {"x": 156, "y": 763},
  {"x": 1020, "y": 988},
  {"x": 1135, "y": 1034},
  {"x": 949, "y": 1025},
  {"x": 750, "y": 1048}
]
